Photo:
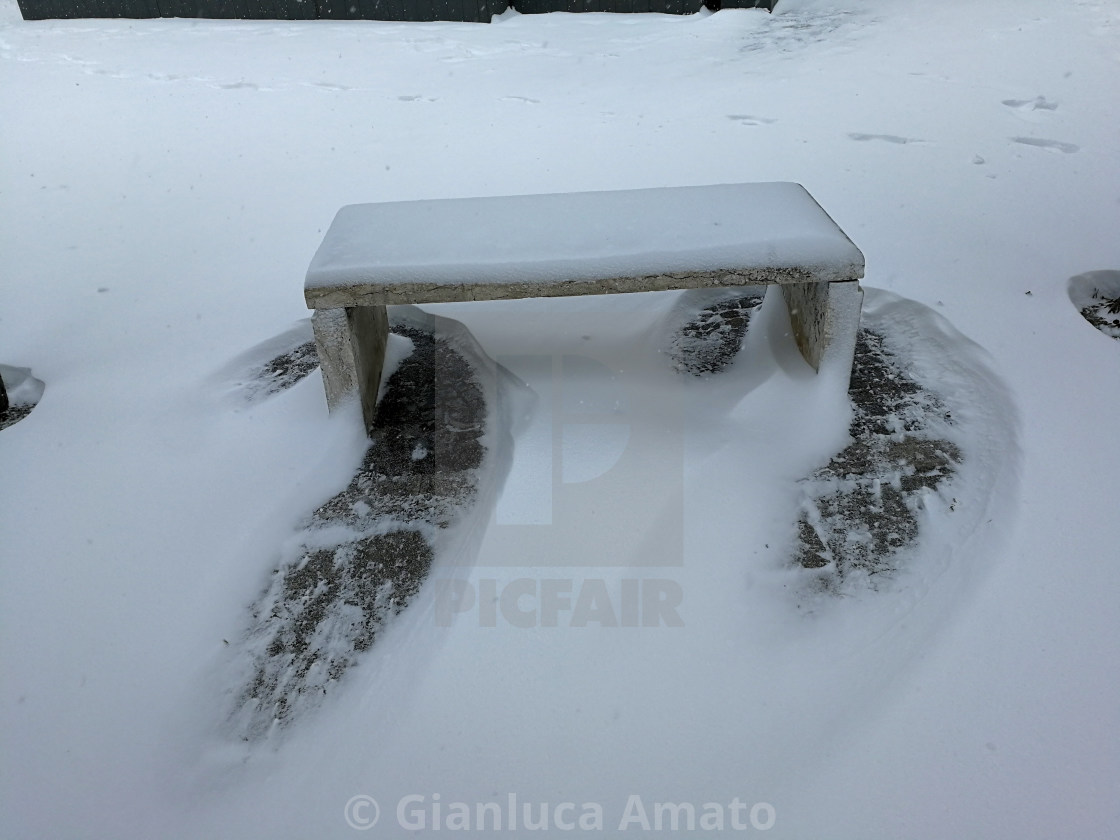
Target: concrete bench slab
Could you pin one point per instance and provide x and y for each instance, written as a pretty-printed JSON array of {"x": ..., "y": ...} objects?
[{"x": 611, "y": 242}]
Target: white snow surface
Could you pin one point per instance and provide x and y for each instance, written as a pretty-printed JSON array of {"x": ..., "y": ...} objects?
[
  {"x": 582, "y": 236},
  {"x": 163, "y": 188}
]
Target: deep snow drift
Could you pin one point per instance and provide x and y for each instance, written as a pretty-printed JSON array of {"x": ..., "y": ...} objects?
[{"x": 164, "y": 188}]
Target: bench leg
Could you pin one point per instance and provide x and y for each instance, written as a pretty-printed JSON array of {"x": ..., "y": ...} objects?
[
  {"x": 825, "y": 320},
  {"x": 351, "y": 344}
]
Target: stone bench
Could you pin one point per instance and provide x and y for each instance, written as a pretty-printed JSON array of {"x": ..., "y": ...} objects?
[{"x": 728, "y": 235}]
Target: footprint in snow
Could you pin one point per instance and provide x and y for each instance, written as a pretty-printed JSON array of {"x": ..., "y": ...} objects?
[
  {"x": 750, "y": 119},
  {"x": 1026, "y": 107},
  {"x": 1049, "y": 145},
  {"x": 886, "y": 138}
]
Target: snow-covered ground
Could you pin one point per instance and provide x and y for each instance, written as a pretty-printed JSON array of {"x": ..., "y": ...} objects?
[{"x": 163, "y": 186}]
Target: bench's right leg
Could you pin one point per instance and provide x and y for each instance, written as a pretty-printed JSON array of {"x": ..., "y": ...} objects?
[
  {"x": 825, "y": 321},
  {"x": 351, "y": 344}
]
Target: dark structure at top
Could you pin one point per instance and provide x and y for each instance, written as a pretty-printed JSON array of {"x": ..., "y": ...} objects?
[{"x": 472, "y": 11}]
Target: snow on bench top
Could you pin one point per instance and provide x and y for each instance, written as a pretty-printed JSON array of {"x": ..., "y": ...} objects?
[{"x": 577, "y": 243}]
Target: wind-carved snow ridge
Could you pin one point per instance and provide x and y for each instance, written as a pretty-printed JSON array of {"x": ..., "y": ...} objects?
[
  {"x": 928, "y": 432},
  {"x": 364, "y": 554}
]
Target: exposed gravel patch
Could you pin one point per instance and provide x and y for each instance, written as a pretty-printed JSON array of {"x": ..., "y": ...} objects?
[
  {"x": 1105, "y": 316},
  {"x": 366, "y": 552},
  {"x": 19, "y": 394},
  {"x": 280, "y": 373},
  {"x": 710, "y": 341},
  {"x": 14, "y": 414},
  {"x": 861, "y": 509},
  {"x": 1096, "y": 294}
]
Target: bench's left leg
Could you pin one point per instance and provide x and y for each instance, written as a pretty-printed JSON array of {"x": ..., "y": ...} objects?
[
  {"x": 351, "y": 344},
  {"x": 825, "y": 320}
]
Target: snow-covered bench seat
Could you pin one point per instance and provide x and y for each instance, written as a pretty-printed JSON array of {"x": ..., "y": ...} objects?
[{"x": 377, "y": 255}]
